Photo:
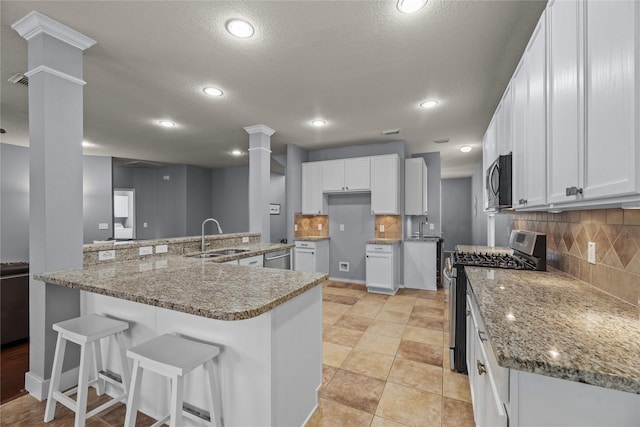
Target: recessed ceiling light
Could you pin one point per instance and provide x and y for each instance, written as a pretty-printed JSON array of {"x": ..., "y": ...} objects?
[
  {"x": 410, "y": 6},
  {"x": 166, "y": 123},
  {"x": 429, "y": 103},
  {"x": 465, "y": 148},
  {"x": 239, "y": 28},
  {"x": 236, "y": 152},
  {"x": 212, "y": 91},
  {"x": 318, "y": 123}
]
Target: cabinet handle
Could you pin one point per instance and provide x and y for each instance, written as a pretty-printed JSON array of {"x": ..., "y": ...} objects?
[
  {"x": 468, "y": 312},
  {"x": 482, "y": 336},
  {"x": 481, "y": 368},
  {"x": 573, "y": 191},
  {"x": 346, "y": 188},
  {"x": 522, "y": 201},
  {"x": 343, "y": 188},
  {"x": 253, "y": 262}
]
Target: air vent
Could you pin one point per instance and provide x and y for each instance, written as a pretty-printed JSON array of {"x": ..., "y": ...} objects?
[
  {"x": 19, "y": 79},
  {"x": 390, "y": 132},
  {"x": 441, "y": 141}
]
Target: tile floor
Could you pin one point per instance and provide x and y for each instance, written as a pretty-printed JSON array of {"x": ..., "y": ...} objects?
[{"x": 385, "y": 364}]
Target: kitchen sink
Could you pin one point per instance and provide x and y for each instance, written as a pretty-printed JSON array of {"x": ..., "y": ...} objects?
[{"x": 218, "y": 253}]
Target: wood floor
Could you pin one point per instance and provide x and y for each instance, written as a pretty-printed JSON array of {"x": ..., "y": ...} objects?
[{"x": 14, "y": 363}]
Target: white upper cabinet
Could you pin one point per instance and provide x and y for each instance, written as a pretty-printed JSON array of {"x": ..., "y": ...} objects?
[
  {"x": 415, "y": 186},
  {"x": 612, "y": 98},
  {"x": 504, "y": 117},
  {"x": 312, "y": 199},
  {"x": 346, "y": 175},
  {"x": 120, "y": 206},
  {"x": 385, "y": 184},
  {"x": 519, "y": 130},
  {"x": 489, "y": 154}
]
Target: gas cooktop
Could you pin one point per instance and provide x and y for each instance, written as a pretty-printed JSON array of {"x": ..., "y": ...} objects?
[{"x": 492, "y": 260}]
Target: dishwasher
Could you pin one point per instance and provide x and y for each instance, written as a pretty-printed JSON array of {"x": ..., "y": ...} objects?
[{"x": 278, "y": 259}]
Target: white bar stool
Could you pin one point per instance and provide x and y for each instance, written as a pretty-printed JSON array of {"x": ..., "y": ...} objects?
[
  {"x": 84, "y": 331},
  {"x": 173, "y": 357}
]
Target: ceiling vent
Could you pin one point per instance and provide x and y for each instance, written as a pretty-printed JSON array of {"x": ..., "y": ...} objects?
[
  {"x": 390, "y": 132},
  {"x": 441, "y": 141},
  {"x": 19, "y": 79}
]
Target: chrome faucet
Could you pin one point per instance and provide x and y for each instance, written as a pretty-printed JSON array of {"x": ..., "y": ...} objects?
[{"x": 202, "y": 246}]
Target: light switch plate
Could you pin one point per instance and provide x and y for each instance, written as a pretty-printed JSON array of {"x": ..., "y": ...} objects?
[
  {"x": 161, "y": 249},
  {"x": 103, "y": 226},
  {"x": 295, "y": 227},
  {"x": 144, "y": 225},
  {"x": 341, "y": 227},
  {"x": 591, "y": 252},
  {"x": 319, "y": 227},
  {"x": 382, "y": 228},
  {"x": 145, "y": 250},
  {"x": 432, "y": 226},
  {"x": 106, "y": 255}
]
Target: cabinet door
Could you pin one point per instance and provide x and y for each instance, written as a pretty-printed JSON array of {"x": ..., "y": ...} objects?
[
  {"x": 415, "y": 186},
  {"x": 519, "y": 87},
  {"x": 489, "y": 155},
  {"x": 305, "y": 260},
  {"x": 536, "y": 124},
  {"x": 357, "y": 174},
  {"x": 420, "y": 265},
  {"x": 312, "y": 188},
  {"x": 384, "y": 184},
  {"x": 380, "y": 270},
  {"x": 252, "y": 261},
  {"x": 565, "y": 112},
  {"x": 333, "y": 175},
  {"x": 120, "y": 206},
  {"x": 471, "y": 359},
  {"x": 612, "y": 98},
  {"x": 504, "y": 123}
]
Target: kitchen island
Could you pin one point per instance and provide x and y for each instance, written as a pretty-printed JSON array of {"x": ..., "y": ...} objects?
[{"x": 267, "y": 322}]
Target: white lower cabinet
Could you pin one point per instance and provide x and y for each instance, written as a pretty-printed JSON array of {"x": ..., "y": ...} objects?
[
  {"x": 252, "y": 261},
  {"x": 311, "y": 256},
  {"x": 420, "y": 265},
  {"x": 382, "y": 268}
]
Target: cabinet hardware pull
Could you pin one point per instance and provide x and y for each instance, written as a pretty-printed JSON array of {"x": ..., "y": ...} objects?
[
  {"x": 522, "y": 201},
  {"x": 468, "y": 312},
  {"x": 482, "y": 336},
  {"x": 481, "y": 368},
  {"x": 573, "y": 191}
]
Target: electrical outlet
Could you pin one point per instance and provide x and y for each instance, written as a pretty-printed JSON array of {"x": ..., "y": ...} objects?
[
  {"x": 166, "y": 177},
  {"x": 319, "y": 227},
  {"x": 382, "y": 228},
  {"x": 144, "y": 225},
  {"x": 295, "y": 227},
  {"x": 145, "y": 250},
  {"x": 106, "y": 255},
  {"x": 343, "y": 266},
  {"x": 591, "y": 252},
  {"x": 162, "y": 263},
  {"x": 103, "y": 226},
  {"x": 161, "y": 249},
  {"x": 245, "y": 240},
  {"x": 341, "y": 227}
]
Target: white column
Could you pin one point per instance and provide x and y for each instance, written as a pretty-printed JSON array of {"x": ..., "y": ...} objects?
[
  {"x": 259, "y": 179},
  {"x": 55, "y": 180}
]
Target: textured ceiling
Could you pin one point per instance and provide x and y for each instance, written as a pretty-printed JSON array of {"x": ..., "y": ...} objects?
[{"x": 361, "y": 65}]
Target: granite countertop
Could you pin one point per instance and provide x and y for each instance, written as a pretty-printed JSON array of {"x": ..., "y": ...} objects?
[
  {"x": 383, "y": 241},
  {"x": 551, "y": 324},
  {"x": 191, "y": 285},
  {"x": 252, "y": 250},
  {"x": 107, "y": 245},
  {"x": 484, "y": 249},
  {"x": 311, "y": 238},
  {"x": 425, "y": 239}
]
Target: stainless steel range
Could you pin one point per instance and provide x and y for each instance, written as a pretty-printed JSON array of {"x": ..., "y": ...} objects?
[{"x": 529, "y": 252}]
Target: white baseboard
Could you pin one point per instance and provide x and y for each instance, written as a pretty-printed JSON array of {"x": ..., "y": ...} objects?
[
  {"x": 39, "y": 388},
  {"x": 315, "y": 408},
  {"x": 340, "y": 279}
]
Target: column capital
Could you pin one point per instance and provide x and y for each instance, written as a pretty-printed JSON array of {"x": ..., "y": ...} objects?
[
  {"x": 259, "y": 129},
  {"x": 36, "y": 23}
]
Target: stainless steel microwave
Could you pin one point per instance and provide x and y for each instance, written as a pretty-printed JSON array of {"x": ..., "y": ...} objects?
[{"x": 498, "y": 184}]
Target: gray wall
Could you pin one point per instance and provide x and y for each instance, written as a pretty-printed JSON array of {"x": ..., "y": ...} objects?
[
  {"x": 478, "y": 217},
  {"x": 97, "y": 200},
  {"x": 354, "y": 211},
  {"x": 230, "y": 199},
  {"x": 456, "y": 212},
  {"x": 278, "y": 195},
  {"x": 14, "y": 203},
  {"x": 434, "y": 193},
  {"x": 293, "y": 185},
  {"x": 199, "y": 198}
]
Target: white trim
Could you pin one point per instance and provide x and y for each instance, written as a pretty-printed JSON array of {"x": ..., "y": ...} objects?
[
  {"x": 260, "y": 129},
  {"x": 342, "y": 279},
  {"x": 35, "y": 23},
  {"x": 259, "y": 148},
  {"x": 39, "y": 388},
  {"x": 43, "y": 68},
  {"x": 315, "y": 408}
]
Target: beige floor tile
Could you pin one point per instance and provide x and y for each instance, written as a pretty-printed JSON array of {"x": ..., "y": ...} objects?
[
  {"x": 388, "y": 329},
  {"x": 332, "y": 311},
  {"x": 327, "y": 373},
  {"x": 420, "y": 352},
  {"x": 410, "y": 406},
  {"x": 374, "y": 365},
  {"x": 417, "y": 375},
  {"x": 422, "y": 302},
  {"x": 426, "y": 322},
  {"x": 435, "y": 295},
  {"x": 342, "y": 291},
  {"x": 423, "y": 335},
  {"x": 422, "y": 310},
  {"x": 332, "y": 414},
  {"x": 456, "y": 413},
  {"x": 358, "y": 323},
  {"x": 393, "y": 316},
  {"x": 334, "y": 354},
  {"x": 340, "y": 335},
  {"x": 340, "y": 299},
  {"x": 383, "y": 422},
  {"x": 445, "y": 338},
  {"x": 367, "y": 308},
  {"x": 446, "y": 358},
  {"x": 378, "y": 344},
  {"x": 354, "y": 390},
  {"x": 455, "y": 386}
]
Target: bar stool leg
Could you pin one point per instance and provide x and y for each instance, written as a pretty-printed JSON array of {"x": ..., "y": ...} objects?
[
  {"x": 54, "y": 382},
  {"x": 177, "y": 389},
  {"x": 214, "y": 394},
  {"x": 97, "y": 363},
  {"x": 83, "y": 386},
  {"x": 124, "y": 363},
  {"x": 134, "y": 396}
]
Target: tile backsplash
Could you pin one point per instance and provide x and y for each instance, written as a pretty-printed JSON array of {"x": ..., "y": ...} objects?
[
  {"x": 616, "y": 233},
  {"x": 392, "y": 227},
  {"x": 308, "y": 225}
]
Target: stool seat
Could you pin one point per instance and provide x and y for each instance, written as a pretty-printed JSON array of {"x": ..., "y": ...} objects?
[
  {"x": 86, "y": 331},
  {"x": 173, "y": 357}
]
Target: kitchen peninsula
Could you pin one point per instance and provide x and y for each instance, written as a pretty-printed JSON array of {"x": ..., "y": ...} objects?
[{"x": 267, "y": 322}]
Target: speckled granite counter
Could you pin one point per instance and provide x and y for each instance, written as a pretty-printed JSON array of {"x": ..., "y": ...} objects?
[
  {"x": 311, "y": 238},
  {"x": 484, "y": 249},
  {"x": 190, "y": 285},
  {"x": 252, "y": 249},
  {"x": 550, "y": 324},
  {"x": 380, "y": 241}
]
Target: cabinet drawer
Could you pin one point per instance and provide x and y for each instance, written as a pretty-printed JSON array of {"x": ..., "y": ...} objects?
[
  {"x": 305, "y": 244},
  {"x": 380, "y": 248}
]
